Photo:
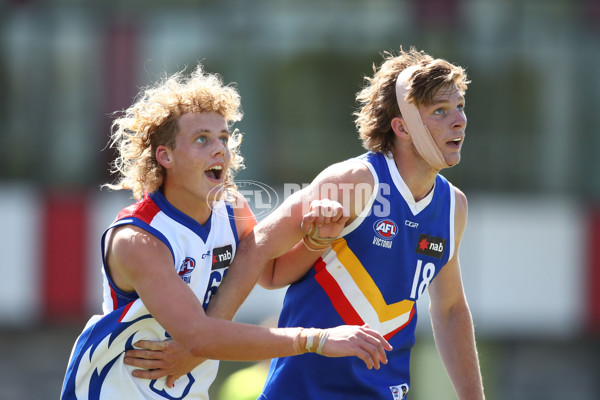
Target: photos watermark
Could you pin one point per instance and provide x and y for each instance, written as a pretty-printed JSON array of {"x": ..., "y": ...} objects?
[{"x": 263, "y": 199}]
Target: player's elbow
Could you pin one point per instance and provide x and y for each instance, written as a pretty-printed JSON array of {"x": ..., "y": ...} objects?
[{"x": 267, "y": 282}]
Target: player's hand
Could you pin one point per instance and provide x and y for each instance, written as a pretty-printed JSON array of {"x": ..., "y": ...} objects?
[
  {"x": 328, "y": 216},
  {"x": 161, "y": 358},
  {"x": 360, "y": 341}
]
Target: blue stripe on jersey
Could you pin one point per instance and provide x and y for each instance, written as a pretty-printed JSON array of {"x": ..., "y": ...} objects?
[
  {"x": 109, "y": 325},
  {"x": 183, "y": 219},
  {"x": 124, "y": 298}
]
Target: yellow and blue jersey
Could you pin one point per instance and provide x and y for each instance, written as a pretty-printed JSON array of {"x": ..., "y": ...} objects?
[{"x": 374, "y": 273}]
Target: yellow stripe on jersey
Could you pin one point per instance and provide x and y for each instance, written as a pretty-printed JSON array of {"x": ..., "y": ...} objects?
[{"x": 361, "y": 291}]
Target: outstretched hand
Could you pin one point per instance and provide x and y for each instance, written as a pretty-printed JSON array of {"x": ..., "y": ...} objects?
[
  {"x": 360, "y": 341},
  {"x": 161, "y": 358}
]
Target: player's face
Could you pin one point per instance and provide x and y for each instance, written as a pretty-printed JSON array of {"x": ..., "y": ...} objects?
[
  {"x": 200, "y": 157},
  {"x": 446, "y": 120}
]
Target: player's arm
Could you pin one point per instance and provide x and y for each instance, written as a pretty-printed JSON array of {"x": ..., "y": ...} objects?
[
  {"x": 348, "y": 183},
  {"x": 145, "y": 263},
  {"x": 239, "y": 280},
  {"x": 325, "y": 220},
  {"x": 169, "y": 358},
  {"x": 451, "y": 319}
]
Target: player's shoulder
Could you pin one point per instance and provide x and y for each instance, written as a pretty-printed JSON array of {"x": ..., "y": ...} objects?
[
  {"x": 460, "y": 198},
  {"x": 128, "y": 239},
  {"x": 243, "y": 216},
  {"x": 351, "y": 171}
]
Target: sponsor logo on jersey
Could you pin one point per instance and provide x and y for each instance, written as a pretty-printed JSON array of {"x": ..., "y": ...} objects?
[
  {"x": 385, "y": 230},
  {"x": 186, "y": 269},
  {"x": 221, "y": 257},
  {"x": 411, "y": 224},
  {"x": 399, "y": 391},
  {"x": 431, "y": 246}
]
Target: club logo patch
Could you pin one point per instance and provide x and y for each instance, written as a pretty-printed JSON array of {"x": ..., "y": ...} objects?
[
  {"x": 431, "y": 246},
  {"x": 385, "y": 228},
  {"x": 221, "y": 257},
  {"x": 186, "y": 269},
  {"x": 399, "y": 391}
]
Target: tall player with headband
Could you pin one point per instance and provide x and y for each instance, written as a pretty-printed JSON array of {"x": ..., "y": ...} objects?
[
  {"x": 165, "y": 256},
  {"x": 402, "y": 237}
]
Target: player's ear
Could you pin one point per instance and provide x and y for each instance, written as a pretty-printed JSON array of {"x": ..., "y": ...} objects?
[
  {"x": 163, "y": 156},
  {"x": 398, "y": 126}
]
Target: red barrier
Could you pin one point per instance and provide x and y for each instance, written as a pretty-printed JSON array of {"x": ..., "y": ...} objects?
[
  {"x": 593, "y": 280},
  {"x": 65, "y": 230}
]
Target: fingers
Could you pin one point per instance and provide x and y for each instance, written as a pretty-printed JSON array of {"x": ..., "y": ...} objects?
[
  {"x": 379, "y": 343},
  {"x": 149, "y": 374},
  {"x": 326, "y": 211},
  {"x": 150, "y": 356},
  {"x": 152, "y": 345},
  {"x": 142, "y": 359},
  {"x": 307, "y": 222},
  {"x": 323, "y": 212},
  {"x": 361, "y": 341},
  {"x": 171, "y": 380}
]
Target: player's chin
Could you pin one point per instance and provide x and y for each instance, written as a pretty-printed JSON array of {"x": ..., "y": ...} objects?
[
  {"x": 453, "y": 159},
  {"x": 215, "y": 191}
]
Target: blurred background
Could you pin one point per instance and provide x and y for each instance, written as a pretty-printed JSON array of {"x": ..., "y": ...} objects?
[{"x": 531, "y": 252}]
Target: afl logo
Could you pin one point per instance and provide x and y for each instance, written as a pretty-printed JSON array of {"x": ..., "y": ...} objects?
[
  {"x": 385, "y": 228},
  {"x": 186, "y": 269}
]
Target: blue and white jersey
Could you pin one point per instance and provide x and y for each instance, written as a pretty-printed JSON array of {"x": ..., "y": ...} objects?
[
  {"x": 374, "y": 273},
  {"x": 201, "y": 255}
]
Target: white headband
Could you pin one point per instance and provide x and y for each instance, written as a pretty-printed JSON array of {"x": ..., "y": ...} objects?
[{"x": 421, "y": 136}]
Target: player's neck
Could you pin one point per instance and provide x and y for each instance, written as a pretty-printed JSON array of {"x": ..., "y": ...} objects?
[
  {"x": 188, "y": 204},
  {"x": 416, "y": 174}
]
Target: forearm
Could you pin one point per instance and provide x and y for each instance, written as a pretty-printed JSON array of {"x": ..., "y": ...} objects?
[
  {"x": 289, "y": 268},
  {"x": 455, "y": 340},
  {"x": 239, "y": 281},
  {"x": 224, "y": 340}
]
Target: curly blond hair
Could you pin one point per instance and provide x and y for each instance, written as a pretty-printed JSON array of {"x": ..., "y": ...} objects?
[
  {"x": 152, "y": 121},
  {"x": 377, "y": 100}
]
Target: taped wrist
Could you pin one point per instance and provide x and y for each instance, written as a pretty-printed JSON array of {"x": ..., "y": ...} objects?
[
  {"x": 310, "y": 340},
  {"x": 315, "y": 243}
]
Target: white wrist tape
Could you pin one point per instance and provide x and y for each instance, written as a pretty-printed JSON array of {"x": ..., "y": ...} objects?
[{"x": 322, "y": 343}]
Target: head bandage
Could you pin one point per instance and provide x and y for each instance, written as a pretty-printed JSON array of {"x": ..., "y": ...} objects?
[{"x": 421, "y": 136}]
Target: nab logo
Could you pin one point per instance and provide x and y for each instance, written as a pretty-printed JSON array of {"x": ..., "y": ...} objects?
[
  {"x": 185, "y": 271},
  {"x": 222, "y": 257},
  {"x": 431, "y": 246},
  {"x": 385, "y": 228}
]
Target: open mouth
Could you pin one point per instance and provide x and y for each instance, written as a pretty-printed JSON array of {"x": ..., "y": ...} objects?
[
  {"x": 456, "y": 142},
  {"x": 214, "y": 173}
]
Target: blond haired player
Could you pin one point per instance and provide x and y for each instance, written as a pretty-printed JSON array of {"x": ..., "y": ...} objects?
[{"x": 164, "y": 256}]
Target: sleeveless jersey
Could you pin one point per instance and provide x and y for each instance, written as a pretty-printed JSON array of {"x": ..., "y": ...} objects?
[
  {"x": 201, "y": 256},
  {"x": 374, "y": 273}
]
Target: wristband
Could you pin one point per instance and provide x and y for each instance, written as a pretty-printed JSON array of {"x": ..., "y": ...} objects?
[
  {"x": 322, "y": 342},
  {"x": 298, "y": 347},
  {"x": 315, "y": 243}
]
